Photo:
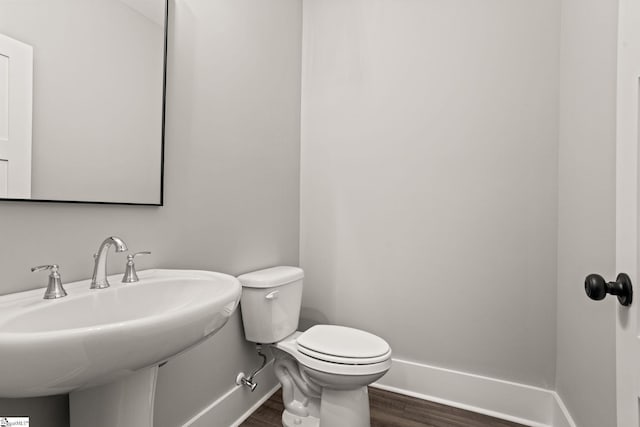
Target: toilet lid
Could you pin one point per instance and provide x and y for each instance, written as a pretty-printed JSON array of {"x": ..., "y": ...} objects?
[{"x": 343, "y": 345}]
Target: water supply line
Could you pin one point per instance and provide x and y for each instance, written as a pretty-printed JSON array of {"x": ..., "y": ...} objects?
[{"x": 242, "y": 379}]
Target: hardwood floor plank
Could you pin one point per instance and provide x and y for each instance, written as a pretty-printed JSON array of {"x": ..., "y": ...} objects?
[{"x": 390, "y": 410}]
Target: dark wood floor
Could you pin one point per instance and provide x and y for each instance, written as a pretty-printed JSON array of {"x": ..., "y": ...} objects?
[{"x": 390, "y": 410}]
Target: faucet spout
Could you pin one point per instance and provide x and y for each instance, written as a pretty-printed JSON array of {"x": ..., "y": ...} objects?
[{"x": 99, "y": 278}]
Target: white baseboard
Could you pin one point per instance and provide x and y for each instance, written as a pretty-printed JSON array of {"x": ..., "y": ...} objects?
[
  {"x": 235, "y": 406},
  {"x": 256, "y": 405},
  {"x": 561, "y": 416},
  {"x": 520, "y": 403}
]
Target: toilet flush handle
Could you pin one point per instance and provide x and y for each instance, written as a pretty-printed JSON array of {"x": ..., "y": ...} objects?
[{"x": 272, "y": 295}]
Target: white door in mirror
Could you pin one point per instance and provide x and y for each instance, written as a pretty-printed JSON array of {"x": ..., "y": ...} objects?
[{"x": 16, "y": 99}]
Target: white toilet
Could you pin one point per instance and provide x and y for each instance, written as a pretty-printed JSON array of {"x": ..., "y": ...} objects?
[{"x": 324, "y": 371}]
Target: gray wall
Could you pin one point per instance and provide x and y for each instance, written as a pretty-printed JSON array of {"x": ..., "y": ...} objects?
[
  {"x": 586, "y": 221},
  {"x": 232, "y": 192},
  {"x": 428, "y": 180}
]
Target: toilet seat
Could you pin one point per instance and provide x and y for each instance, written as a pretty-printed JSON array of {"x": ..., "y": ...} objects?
[
  {"x": 343, "y": 360},
  {"x": 340, "y": 344},
  {"x": 342, "y": 365}
]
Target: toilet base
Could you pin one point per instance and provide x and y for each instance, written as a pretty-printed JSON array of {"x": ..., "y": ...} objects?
[
  {"x": 339, "y": 408},
  {"x": 345, "y": 408},
  {"x": 291, "y": 420}
]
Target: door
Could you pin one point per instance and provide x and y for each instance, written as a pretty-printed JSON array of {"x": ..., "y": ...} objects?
[
  {"x": 16, "y": 88},
  {"x": 627, "y": 219}
]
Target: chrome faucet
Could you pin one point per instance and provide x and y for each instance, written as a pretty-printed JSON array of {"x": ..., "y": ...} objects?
[
  {"x": 130, "y": 274},
  {"x": 55, "y": 288},
  {"x": 99, "y": 278}
]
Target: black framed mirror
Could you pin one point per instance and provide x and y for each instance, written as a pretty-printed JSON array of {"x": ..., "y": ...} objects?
[{"x": 82, "y": 100}]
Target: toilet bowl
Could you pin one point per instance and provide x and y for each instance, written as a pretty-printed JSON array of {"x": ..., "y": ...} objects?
[{"x": 324, "y": 371}]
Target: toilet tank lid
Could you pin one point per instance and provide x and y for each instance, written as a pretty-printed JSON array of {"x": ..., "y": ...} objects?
[{"x": 270, "y": 277}]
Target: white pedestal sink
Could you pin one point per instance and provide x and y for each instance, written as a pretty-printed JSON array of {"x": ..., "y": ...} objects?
[{"x": 103, "y": 346}]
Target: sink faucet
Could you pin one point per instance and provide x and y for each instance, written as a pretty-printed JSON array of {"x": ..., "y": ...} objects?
[{"x": 99, "y": 278}]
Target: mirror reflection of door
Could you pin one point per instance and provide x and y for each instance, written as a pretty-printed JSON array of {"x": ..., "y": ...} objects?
[
  {"x": 16, "y": 88},
  {"x": 98, "y": 97}
]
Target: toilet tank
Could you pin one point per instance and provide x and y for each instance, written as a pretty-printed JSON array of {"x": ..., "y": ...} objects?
[{"x": 270, "y": 303}]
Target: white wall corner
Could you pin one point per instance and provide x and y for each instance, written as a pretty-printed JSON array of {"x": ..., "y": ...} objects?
[{"x": 520, "y": 403}]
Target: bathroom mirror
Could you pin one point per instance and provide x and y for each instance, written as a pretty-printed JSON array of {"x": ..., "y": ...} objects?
[{"x": 82, "y": 100}]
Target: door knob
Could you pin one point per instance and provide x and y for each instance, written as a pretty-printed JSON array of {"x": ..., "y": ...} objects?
[{"x": 597, "y": 288}]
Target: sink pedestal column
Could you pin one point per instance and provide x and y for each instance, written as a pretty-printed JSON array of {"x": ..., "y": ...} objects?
[{"x": 127, "y": 402}]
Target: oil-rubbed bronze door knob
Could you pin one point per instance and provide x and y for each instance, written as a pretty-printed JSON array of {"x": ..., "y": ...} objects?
[{"x": 597, "y": 288}]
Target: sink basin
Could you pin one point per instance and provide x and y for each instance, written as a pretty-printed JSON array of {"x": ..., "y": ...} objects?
[{"x": 94, "y": 337}]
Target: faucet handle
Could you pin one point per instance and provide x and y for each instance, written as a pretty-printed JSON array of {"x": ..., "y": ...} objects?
[
  {"x": 138, "y": 253},
  {"x": 54, "y": 288},
  {"x": 130, "y": 275},
  {"x": 53, "y": 267}
]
